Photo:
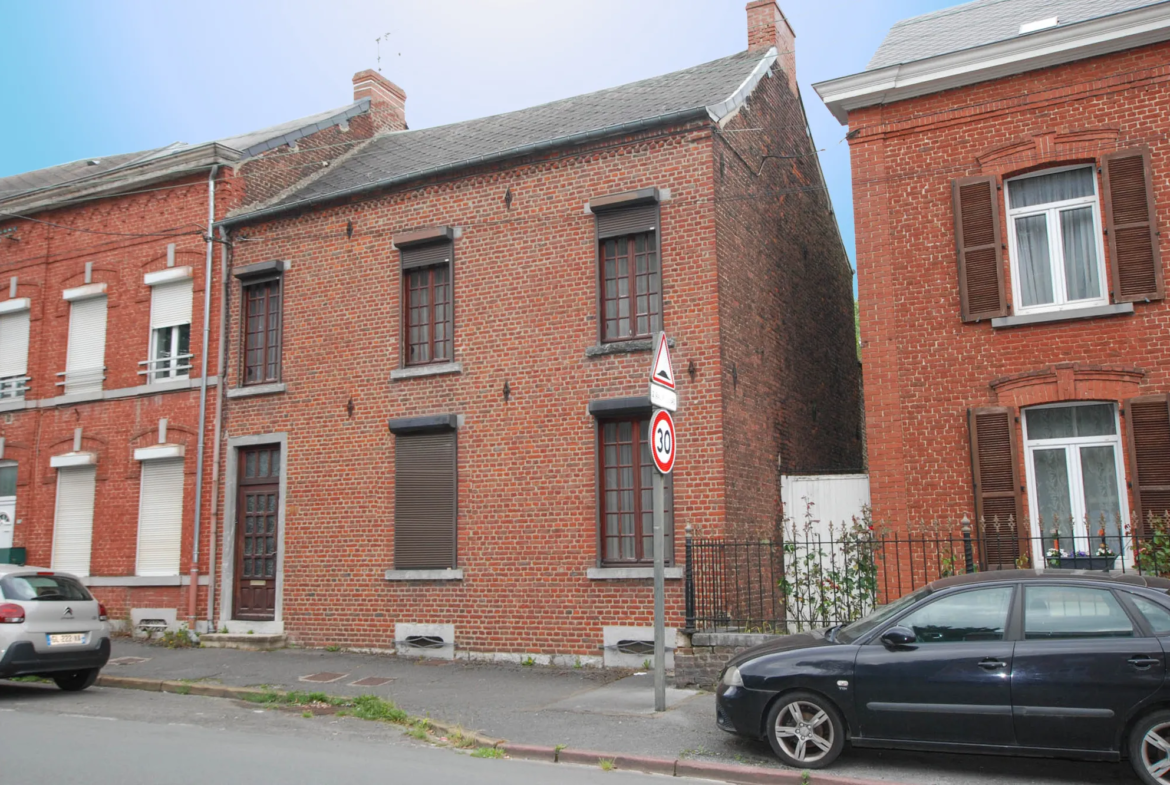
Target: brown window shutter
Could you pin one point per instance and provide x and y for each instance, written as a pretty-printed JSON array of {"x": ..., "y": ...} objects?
[
  {"x": 424, "y": 501},
  {"x": 980, "y": 249},
  {"x": 1148, "y": 422},
  {"x": 426, "y": 255},
  {"x": 629, "y": 220},
  {"x": 1131, "y": 226},
  {"x": 998, "y": 499}
]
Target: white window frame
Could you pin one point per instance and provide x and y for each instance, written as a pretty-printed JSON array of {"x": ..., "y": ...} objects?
[
  {"x": 1083, "y": 539},
  {"x": 176, "y": 366},
  {"x": 1055, "y": 245}
]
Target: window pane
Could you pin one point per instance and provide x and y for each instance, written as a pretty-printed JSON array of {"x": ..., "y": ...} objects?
[
  {"x": 1051, "y": 423},
  {"x": 1081, "y": 272},
  {"x": 1102, "y": 496},
  {"x": 7, "y": 480},
  {"x": 1053, "y": 500},
  {"x": 184, "y": 341},
  {"x": 1096, "y": 419},
  {"x": 1056, "y": 187},
  {"x": 1073, "y": 612},
  {"x": 979, "y": 615},
  {"x": 1156, "y": 615},
  {"x": 1034, "y": 265}
]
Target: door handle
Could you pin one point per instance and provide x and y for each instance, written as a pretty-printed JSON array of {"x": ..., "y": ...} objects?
[
  {"x": 991, "y": 664},
  {"x": 1142, "y": 662}
]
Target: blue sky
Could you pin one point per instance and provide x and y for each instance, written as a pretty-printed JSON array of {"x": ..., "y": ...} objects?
[{"x": 83, "y": 79}]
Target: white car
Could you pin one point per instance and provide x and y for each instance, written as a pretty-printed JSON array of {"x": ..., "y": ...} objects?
[{"x": 50, "y": 625}]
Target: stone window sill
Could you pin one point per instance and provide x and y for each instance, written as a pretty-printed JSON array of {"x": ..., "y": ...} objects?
[
  {"x": 1093, "y": 312},
  {"x": 623, "y": 347},
  {"x": 631, "y": 573},
  {"x": 415, "y": 371},
  {"x": 424, "y": 575},
  {"x": 256, "y": 389}
]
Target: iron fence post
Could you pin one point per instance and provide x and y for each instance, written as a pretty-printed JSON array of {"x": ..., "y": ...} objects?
[
  {"x": 968, "y": 554},
  {"x": 689, "y": 584}
]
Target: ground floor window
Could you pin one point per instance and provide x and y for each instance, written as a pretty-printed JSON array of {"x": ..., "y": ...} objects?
[
  {"x": 627, "y": 499},
  {"x": 1075, "y": 474}
]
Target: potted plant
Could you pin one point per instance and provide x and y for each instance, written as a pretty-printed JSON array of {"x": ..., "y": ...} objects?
[{"x": 1103, "y": 558}]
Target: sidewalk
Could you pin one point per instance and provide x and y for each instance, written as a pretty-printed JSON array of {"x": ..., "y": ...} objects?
[{"x": 582, "y": 709}]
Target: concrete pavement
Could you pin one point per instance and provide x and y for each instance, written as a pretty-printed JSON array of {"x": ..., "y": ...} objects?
[{"x": 583, "y": 709}]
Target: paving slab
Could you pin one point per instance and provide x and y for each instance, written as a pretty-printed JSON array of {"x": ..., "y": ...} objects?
[{"x": 633, "y": 695}]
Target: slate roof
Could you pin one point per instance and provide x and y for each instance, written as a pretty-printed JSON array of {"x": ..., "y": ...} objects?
[
  {"x": 403, "y": 155},
  {"x": 246, "y": 145},
  {"x": 984, "y": 22}
]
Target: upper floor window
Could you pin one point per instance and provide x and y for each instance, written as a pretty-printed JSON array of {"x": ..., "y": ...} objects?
[
  {"x": 631, "y": 285},
  {"x": 427, "y": 258},
  {"x": 1057, "y": 251},
  {"x": 170, "y": 330},
  {"x": 85, "y": 359},
  {"x": 14, "y": 327},
  {"x": 262, "y": 331}
]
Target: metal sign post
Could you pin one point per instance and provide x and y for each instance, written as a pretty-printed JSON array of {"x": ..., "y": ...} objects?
[{"x": 663, "y": 394}]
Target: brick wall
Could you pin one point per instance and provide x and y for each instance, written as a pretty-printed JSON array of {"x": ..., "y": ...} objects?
[{"x": 923, "y": 367}]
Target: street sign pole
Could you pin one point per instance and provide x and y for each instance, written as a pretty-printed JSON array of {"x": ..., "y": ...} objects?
[
  {"x": 659, "y": 591},
  {"x": 664, "y": 396}
]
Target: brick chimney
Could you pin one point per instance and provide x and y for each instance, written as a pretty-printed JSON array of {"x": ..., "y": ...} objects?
[
  {"x": 387, "y": 100},
  {"x": 768, "y": 27}
]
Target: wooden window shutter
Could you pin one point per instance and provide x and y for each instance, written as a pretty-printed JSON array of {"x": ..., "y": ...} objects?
[
  {"x": 998, "y": 499},
  {"x": 424, "y": 501},
  {"x": 1148, "y": 424},
  {"x": 980, "y": 249},
  {"x": 1131, "y": 226}
]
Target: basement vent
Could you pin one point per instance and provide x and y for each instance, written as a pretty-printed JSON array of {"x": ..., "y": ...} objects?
[
  {"x": 635, "y": 647},
  {"x": 153, "y": 625},
  {"x": 424, "y": 641}
]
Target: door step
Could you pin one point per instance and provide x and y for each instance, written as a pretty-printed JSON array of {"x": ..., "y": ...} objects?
[{"x": 236, "y": 640}]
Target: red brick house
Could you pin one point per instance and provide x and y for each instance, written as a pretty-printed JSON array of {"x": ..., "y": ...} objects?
[
  {"x": 438, "y": 354},
  {"x": 1011, "y": 173},
  {"x": 110, "y": 355}
]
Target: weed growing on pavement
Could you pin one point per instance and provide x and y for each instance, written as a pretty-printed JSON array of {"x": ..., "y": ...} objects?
[
  {"x": 577, "y": 664},
  {"x": 560, "y": 747},
  {"x": 333, "y": 647},
  {"x": 418, "y": 730},
  {"x": 694, "y": 752},
  {"x": 487, "y": 752},
  {"x": 31, "y": 679},
  {"x": 528, "y": 662},
  {"x": 307, "y": 714},
  {"x": 805, "y": 777},
  {"x": 461, "y": 740},
  {"x": 646, "y": 665},
  {"x": 177, "y": 639},
  {"x": 606, "y": 764},
  {"x": 183, "y": 689},
  {"x": 371, "y": 707}
]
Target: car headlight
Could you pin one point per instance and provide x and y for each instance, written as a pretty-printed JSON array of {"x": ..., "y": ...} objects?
[{"x": 731, "y": 677}]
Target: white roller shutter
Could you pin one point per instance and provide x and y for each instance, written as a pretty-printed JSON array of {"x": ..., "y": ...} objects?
[
  {"x": 14, "y": 344},
  {"x": 170, "y": 304},
  {"x": 86, "y": 359},
  {"x": 73, "y": 527},
  {"x": 160, "y": 517}
]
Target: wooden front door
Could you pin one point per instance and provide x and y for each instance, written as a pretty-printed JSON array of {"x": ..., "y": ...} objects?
[{"x": 256, "y": 533}]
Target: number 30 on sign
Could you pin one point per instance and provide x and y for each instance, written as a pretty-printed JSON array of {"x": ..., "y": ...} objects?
[{"x": 662, "y": 436}]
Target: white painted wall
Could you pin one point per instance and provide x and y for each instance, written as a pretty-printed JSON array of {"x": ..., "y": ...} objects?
[{"x": 835, "y": 498}]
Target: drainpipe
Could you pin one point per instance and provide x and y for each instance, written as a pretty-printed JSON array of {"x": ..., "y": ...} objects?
[
  {"x": 193, "y": 594},
  {"x": 213, "y": 534}
]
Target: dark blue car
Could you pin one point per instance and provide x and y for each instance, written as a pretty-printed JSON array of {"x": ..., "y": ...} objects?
[{"x": 1056, "y": 663}]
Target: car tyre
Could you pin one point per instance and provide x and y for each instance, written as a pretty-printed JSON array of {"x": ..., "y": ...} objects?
[
  {"x": 76, "y": 681},
  {"x": 1149, "y": 748},
  {"x": 806, "y": 730}
]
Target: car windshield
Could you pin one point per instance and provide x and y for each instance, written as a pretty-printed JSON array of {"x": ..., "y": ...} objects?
[
  {"x": 853, "y": 632},
  {"x": 29, "y": 588}
]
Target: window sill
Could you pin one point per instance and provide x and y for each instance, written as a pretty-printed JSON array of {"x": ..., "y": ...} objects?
[
  {"x": 424, "y": 575},
  {"x": 415, "y": 371},
  {"x": 256, "y": 389},
  {"x": 624, "y": 347},
  {"x": 631, "y": 573},
  {"x": 1092, "y": 312}
]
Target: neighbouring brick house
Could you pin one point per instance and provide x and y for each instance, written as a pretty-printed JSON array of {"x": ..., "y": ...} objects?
[
  {"x": 110, "y": 354},
  {"x": 439, "y": 351},
  {"x": 1011, "y": 170}
]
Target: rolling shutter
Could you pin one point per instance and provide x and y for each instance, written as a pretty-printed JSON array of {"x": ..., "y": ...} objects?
[
  {"x": 629, "y": 220},
  {"x": 998, "y": 499},
  {"x": 170, "y": 304},
  {"x": 86, "y": 358},
  {"x": 1148, "y": 423},
  {"x": 160, "y": 517},
  {"x": 14, "y": 344},
  {"x": 73, "y": 525},
  {"x": 427, "y": 255},
  {"x": 980, "y": 249},
  {"x": 424, "y": 501},
  {"x": 1131, "y": 226}
]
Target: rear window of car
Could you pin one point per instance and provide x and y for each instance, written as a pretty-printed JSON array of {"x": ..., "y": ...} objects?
[
  {"x": 49, "y": 588},
  {"x": 1157, "y": 616}
]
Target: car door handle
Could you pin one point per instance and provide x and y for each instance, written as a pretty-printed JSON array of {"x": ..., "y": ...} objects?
[
  {"x": 1141, "y": 661},
  {"x": 991, "y": 664}
]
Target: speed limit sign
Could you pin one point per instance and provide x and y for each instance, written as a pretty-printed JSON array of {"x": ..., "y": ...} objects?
[{"x": 662, "y": 437}]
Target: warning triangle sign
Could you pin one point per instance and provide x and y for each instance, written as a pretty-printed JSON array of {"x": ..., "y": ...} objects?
[{"x": 661, "y": 372}]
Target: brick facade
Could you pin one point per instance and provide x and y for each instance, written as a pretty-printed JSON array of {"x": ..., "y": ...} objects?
[{"x": 923, "y": 366}]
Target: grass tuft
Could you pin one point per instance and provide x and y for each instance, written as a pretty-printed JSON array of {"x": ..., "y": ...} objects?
[{"x": 487, "y": 752}]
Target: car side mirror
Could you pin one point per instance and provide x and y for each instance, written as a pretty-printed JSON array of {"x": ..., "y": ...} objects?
[{"x": 898, "y": 636}]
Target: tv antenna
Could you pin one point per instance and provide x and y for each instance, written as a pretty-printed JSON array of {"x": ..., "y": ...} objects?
[{"x": 378, "y": 41}]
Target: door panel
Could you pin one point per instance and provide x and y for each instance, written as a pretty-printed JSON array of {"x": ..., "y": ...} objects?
[
  {"x": 257, "y": 535},
  {"x": 1081, "y": 668},
  {"x": 953, "y": 685}
]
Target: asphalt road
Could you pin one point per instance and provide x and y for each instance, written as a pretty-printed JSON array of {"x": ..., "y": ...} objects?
[{"x": 131, "y": 737}]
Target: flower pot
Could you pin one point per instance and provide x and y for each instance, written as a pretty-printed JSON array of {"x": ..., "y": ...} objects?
[{"x": 1087, "y": 562}]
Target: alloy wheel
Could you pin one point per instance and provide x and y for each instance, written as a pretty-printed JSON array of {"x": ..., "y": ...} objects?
[
  {"x": 804, "y": 731},
  {"x": 1156, "y": 752}
]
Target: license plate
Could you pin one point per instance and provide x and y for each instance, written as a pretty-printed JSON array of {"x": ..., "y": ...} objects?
[{"x": 65, "y": 639}]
